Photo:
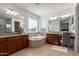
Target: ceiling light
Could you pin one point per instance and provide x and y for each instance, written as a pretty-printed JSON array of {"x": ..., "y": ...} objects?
[{"x": 37, "y": 4}]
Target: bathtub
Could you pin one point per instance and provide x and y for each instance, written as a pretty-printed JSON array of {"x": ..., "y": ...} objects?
[{"x": 37, "y": 41}]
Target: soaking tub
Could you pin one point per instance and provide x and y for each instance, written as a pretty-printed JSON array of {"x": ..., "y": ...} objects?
[{"x": 37, "y": 41}]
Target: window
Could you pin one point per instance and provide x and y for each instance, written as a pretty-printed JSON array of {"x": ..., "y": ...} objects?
[
  {"x": 43, "y": 25},
  {"x": 32, "y": 25}
]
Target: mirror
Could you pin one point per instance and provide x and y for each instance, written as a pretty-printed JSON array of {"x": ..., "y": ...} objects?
[{"x": 5, "y": 25}]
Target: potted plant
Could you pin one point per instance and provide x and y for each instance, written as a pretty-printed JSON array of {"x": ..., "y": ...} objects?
[{"x": 20, "y": 30}]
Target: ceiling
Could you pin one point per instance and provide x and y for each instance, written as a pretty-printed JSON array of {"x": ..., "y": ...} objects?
[{"x": 43, "y": 9}]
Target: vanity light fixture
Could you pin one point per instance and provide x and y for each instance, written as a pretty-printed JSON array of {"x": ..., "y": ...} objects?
[
  {"x": 53, "y": 18},
  {"x": 64, "y": 16},
  {"x": 11, "y": 12}
]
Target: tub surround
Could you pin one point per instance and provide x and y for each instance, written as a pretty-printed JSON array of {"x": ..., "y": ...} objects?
[
  {"x": 37, "y": 41},
  {"x": 12, "y": 43},
  {"x": 38, "y": 37}
]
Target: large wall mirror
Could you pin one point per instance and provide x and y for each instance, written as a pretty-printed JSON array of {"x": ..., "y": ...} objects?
[
  {"x": 61, "y": 24},
  {"x": 5, "y": 25}
]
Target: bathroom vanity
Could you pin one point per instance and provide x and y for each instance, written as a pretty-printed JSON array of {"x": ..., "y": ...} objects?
[
  {"x": 12, "y": 43},
  {"x": 52, "y": 38}
]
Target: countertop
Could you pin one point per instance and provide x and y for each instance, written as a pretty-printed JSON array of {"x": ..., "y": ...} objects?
[
  {"x": 53, "y": 33},
  {"x": 10, "y": 35}
]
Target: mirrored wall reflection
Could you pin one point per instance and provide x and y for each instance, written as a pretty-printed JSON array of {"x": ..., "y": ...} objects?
[
  {"x": 64, "y": 24},
  {"x": 5, "y": 25},
  {"x": 54, "y": 26},
  {"x": 8, "y": 16},
  {"x": 61, "y": 24}
]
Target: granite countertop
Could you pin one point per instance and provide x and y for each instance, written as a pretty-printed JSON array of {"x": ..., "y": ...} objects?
[
  {"x": 53, "y": 33},
  {"x": 10, "y": 35}
]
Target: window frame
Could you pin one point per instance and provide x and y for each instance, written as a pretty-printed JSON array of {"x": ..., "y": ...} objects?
[{"x": 36, "y": 25}]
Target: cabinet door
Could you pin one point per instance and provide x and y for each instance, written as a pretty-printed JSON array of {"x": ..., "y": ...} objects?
[
  {"x": 55, "y": 40},
  {"x": 3, "y": 46},
  {"x": 11, "y": 44},
  {"x": 26, "y": 41},
  {"x": 52, "y": 39},
  {"x": 19, "y": 42},
  {"x": 49, "y": 38}
]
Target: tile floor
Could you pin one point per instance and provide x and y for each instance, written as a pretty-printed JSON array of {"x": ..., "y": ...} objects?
[{"x": 45, "y": 50}]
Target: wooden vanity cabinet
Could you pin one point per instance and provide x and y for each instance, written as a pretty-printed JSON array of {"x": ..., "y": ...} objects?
[
  {"x": 19, "y": 42},
  {"x": 22, "y": 42},
  {"x": 25, "y": 41},
  {"x": 3, "y": 46},
  {"x": 52, "y": 39},
  {"x": 9, "y": 45}
]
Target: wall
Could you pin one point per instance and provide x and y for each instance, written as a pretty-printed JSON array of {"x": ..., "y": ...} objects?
[{"x": 76, "y": 18}]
